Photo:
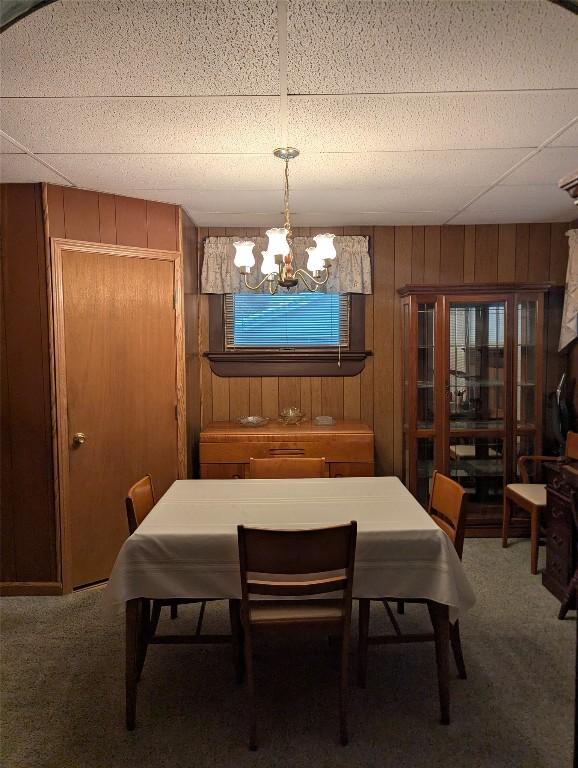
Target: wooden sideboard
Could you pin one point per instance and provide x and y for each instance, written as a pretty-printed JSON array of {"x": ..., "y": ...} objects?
[
  {"x": 561, "y": 559},
  {"x": 226, "y": 447}
]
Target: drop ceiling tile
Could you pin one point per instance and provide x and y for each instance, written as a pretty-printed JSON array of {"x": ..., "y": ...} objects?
[
  {"x": 143, "y": 48},
  {"x": 386, "y": 47},
  {"x": 547, "y": 167},
  {"x": 265, "y": 202},
  {"x": 505, "y": 204},
  {"x": 143, "y": 125},
  {"x": 323, "y": 221},
  {"x": 569, "y": 138},
  {"x": 171, "y": 171},
  {"x": 387, "y": 200},
  {"x": 389, "y": 169},
  {"x": 6, "y": 147},
  {"x": 24, "y": 169},
  {"x": 428, "y": 121}
]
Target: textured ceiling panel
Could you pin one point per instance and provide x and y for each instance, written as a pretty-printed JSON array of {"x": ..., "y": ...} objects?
[
  {"x": 308, "y": 171},
  {"x": 403, "y": 45},
  {"x": 524, "y": 203},
  {"x": 569, "y": 138},
  {"x": 403, "y": 199},
  {"x": 143, "y": 125},
  {"x": 322, "y": 221},
  {"x": 171, "y": 171},
  {"x": 547, "y": 167},
  {"x": 7, "y": 147},
  {"x": 424, "y": 121},
  {"x": 143, "y": 48},
  {"x": 23, "y": 169}
]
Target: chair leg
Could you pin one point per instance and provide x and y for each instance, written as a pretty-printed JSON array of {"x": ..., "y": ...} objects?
[
  {"x": 155, "y": 616},
  {"x": 400, "y": 607},
  {"x": 535, "y": 539},
  {"x": 131, "y": 663},
  {"x": 250, "y": 689},
  {"x": 440, "y": 622},
  {"x": 237, "y": 639},
  {"x": 343, "y": 688},
  {"x": 506, "y": 519},
  {"x": 174, "y": 611},
  {"x": 457, "y": 649},
  {"x": 199, "y": 626},
  {"x": 362, "y": 642}
]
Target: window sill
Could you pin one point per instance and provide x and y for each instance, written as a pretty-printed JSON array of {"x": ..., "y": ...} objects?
[{"x": 302, "y": 363}]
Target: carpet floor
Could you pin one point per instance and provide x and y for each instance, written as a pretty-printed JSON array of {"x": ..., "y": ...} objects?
[{"x": 63, "y": 698}]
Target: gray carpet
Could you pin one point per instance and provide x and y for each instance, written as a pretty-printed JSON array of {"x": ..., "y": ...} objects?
[{"x": 63, "y": 699}]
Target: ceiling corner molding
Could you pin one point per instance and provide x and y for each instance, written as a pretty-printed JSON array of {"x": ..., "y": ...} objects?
[{"x": 12, "y": 11}]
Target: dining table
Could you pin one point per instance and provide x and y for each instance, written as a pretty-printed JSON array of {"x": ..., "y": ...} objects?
[{"x": 187, "y": 548}]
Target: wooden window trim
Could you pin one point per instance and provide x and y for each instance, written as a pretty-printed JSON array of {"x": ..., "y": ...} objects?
[{"x": 299, "y": 363}]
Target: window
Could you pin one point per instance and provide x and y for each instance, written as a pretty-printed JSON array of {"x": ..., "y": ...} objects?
[
  {"x": 302, "y": 334},
  {"x": 286, "y": 321}
]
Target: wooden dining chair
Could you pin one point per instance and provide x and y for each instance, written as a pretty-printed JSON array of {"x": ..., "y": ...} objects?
[
  {"x": 531, "y": 497},
  {"x": 282, "y": 467},
  {"x": 140, "y": 499},
  {"x": 447, "y": 509},
  {"x": 297, "y": 564}
]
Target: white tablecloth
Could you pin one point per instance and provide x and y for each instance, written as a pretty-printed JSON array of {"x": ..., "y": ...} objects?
[{"x": 187, "y": 545}]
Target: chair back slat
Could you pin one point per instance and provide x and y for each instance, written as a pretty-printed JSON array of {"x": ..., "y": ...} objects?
[
  {"x": 315, "y": 550},
  {"x": 316, "y": 554},
  {"x": 140, "y": 499},
  {"x": 572, "y": 445},
  {"x": 282, "y": 467},
  {"x": 447, "y": 508},
  {"x": 296, "y": 588}
]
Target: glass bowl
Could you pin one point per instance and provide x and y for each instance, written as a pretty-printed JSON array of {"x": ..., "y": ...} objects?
[
  {"x": 292, "y": 415},
  {"x": 253, "y": 421}
]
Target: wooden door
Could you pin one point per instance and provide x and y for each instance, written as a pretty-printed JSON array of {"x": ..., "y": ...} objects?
[{"x": 118, "y": 370}]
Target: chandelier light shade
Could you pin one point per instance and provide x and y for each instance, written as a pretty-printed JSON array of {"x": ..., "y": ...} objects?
[
  {"x": 244, "y": 254},
  {"x": 325, "y": 247},
  {"x": 269, "y": 265},
  {"x": 277, "y": 265},
  {"x": 278, "y": 245}
]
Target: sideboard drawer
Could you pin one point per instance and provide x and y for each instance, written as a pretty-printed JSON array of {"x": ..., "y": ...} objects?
[
  {"x": 351, "y": 469},
  {"x": 335, "y": 450}
]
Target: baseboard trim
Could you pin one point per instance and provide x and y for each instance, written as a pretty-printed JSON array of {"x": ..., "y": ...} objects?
[{"x": 29, "y": 588}]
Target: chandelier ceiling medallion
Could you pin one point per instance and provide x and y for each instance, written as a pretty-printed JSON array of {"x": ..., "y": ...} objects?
[{"x": 277, "y": 264}]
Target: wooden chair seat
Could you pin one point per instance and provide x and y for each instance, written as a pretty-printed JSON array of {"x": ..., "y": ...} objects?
[
  {"x": 296, "y": 611},
  {"x": 532, "y": 493}
]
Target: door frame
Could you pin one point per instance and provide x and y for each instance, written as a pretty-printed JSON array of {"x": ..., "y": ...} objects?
[{"x": 58, "y": 365}]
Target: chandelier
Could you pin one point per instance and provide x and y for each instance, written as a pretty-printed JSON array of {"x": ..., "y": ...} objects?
[{"x": 277, "y": 265}]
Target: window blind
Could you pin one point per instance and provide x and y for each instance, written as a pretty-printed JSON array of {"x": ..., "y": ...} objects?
[{"x": 286, "y": 321}]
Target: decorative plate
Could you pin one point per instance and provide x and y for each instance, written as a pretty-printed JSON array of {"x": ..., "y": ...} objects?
[{"x": 253, "y": 421}]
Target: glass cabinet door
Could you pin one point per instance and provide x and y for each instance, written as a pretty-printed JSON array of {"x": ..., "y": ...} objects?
[
  {"x": 527, "y": 390},
  {"x": 477, "y": 397}
]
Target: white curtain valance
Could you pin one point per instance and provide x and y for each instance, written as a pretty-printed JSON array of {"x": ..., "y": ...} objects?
[
  {"x": 350, "y": 272},
  {"x": 569, "y": 329}
]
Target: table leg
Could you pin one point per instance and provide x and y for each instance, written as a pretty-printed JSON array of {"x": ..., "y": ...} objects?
[
  {"x": 237, "y": 639},
  {"x": 441, "y": 626},
  {"x": 131, "y": 660}
]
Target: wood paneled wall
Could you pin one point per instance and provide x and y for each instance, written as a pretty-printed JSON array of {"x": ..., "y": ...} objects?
[
  {"x": 28, "y": 512},
  {"x": 400, "y": 255}
]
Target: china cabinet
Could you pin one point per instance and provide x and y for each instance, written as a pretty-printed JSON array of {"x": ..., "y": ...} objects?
[{"x": 472, "y": 383}]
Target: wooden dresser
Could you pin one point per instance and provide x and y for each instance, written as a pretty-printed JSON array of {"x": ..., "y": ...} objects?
[
  {"x": 562, "y": 480},
  {"x": 226, "y": 447}
]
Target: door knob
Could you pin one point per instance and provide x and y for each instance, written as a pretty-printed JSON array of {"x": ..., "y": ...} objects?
[{"x": 79, "y": 439}]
